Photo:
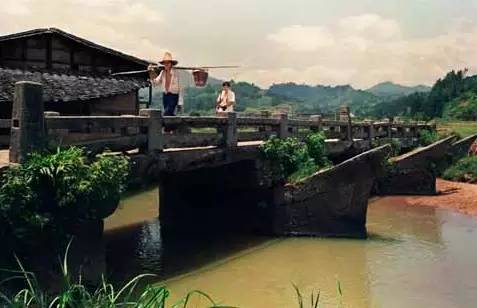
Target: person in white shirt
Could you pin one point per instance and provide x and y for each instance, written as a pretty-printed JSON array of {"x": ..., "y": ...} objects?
[
  {"x": 226, "y": 99},
  {"x": 168, "y": 80}
]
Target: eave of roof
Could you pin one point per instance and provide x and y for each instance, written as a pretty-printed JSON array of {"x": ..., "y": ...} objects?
[
  {"x": 75, "y": 38},
  {"x": 67, "y": 88}
]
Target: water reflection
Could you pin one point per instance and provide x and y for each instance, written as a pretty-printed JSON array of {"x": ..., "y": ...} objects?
[{"x": 414, "y": 257}]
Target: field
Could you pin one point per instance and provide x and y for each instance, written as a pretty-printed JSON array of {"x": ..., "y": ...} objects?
[{"x": 463, "y": 128}]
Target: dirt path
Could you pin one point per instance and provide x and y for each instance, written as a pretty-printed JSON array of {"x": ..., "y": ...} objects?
[{"x": 461, "y": 197}]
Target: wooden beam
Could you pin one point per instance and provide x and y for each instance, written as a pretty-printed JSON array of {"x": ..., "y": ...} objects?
[
  {"x": 1, "y": 54},
  {"x": 24, "y": 52},
  {"x": 72, "y": 57},
  {"x": 49, "y": 50}
]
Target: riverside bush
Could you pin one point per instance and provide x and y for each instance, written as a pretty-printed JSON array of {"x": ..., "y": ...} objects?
[
  {"x": 427, "y": 137},
  {"x": 293, "y": 159},
  {"x": 464, "y": 170},
  {"x": 51, "y": 191}
]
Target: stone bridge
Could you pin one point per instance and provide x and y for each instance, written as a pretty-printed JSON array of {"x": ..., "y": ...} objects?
[{"x": 209, "y": 169}]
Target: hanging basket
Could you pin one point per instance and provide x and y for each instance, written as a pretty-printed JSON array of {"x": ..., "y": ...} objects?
[{"x": 200, "y": 77}]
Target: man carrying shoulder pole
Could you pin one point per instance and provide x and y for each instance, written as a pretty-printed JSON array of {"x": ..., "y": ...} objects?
[{"x": 168, "y": 80}]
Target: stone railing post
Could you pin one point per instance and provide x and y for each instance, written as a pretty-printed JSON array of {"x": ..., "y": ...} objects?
[
  {"x": 28, "y": 123},
  {"x": 349, "y": 129},
  {"x": 389, "y": 130},
  {"x": 283, "y": 129},
  {"x": 317, "y": 119},
  {"x": 155, "y": 140},
  {"x": 230, "y": 133},
  {"x": 264, "y": 114},
  {"x": 371, "y": 131}
]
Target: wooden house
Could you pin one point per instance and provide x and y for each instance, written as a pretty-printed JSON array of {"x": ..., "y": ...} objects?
[{"x": 75, "y": 73}]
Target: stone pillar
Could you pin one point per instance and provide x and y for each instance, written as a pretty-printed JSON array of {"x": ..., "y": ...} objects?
[
  {"x": 371, "y": 131},
  {"x": 349, "y": 130},
  {"x": 264, "y": 114},
  {"x": 389, "y": 130},
  {"x": 155, "y": 140},
  {"x": 28, "y": 129},
  {"x": 283, "y": 129},
  {"x": 317, "y": 119},
  {"x": 230, "y": 133}
]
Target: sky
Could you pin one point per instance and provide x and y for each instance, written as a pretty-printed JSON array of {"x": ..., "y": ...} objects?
[{"x": 356, "y": 42}]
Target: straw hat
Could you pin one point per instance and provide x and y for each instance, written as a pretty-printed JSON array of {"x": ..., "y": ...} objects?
[{"x": 168, "y": 58}]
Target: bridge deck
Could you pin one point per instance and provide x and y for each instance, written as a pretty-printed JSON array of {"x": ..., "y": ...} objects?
[{"x": 4, "y": 154}]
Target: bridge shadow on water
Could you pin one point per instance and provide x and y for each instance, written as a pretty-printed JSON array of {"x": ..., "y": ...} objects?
[{"x": 143, "y": 248}]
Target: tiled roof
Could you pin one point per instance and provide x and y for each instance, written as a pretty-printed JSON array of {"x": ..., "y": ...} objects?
[{"x": 67, "y": 88}]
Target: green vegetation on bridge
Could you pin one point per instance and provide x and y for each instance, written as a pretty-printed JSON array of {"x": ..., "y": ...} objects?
[{"x": 294, "y": 160}]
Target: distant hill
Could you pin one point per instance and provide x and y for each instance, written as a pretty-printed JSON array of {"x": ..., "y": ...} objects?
[
  {"x": 389, "y": 89},
  {"x": 323, "y": 99}
]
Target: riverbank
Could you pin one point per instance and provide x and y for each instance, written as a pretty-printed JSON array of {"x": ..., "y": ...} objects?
[{"x": 461, "y": 197}]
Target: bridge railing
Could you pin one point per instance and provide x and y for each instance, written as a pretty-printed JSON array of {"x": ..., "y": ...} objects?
[
  {"x": 122, "y": 133},
  {"x": 151, "y": 132}
]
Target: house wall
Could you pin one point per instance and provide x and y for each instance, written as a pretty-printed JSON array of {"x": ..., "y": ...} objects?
[
  {"x": 115, "y": 105},
  {"x": 50, "y": 51}
]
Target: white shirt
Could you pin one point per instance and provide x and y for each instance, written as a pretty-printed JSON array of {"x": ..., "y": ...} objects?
[
  {"x": 174, "y": 87},
  {"x": 226, "y": 97}
]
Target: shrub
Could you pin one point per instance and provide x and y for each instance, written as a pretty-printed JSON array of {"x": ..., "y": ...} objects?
[
  {"x": 427, "y": 137},
  {"x": 286, "y": 155},
  {"x": 51, "y": 191},
  {"x": 315, "y": 144},
  {"x": 294, "y": 160},
  {"x": 464, "y": 170}
]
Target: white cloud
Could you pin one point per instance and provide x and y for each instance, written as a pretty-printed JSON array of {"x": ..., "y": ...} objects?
[
  {"x": 16, "y": 7},
  {"x": 370, "y": 25},
  {"x": 366, "y": 49},
  {"x": 303, "y": 38}
]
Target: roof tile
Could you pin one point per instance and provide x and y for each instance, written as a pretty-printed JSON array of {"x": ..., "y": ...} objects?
[{"x": 67, "y": 88}]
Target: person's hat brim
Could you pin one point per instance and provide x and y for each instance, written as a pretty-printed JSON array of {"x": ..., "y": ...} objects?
[{"x": 174, "y": 62}]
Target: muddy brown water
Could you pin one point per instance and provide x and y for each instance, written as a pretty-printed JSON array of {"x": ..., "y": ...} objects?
[{"x": 414, "y": 257}]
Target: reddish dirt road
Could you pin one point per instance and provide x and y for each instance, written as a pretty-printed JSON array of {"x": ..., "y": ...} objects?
[{"x": 461, "y": 197}]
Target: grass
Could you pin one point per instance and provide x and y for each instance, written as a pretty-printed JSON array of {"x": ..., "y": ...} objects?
[
  {"x": 77, "y": 295},
  {"x": 461, "y": 128},
  {"x": 464, "y": 170}
]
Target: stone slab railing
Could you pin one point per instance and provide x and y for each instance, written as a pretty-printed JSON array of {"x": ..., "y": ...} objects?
[{"x": 148, "y": 131}]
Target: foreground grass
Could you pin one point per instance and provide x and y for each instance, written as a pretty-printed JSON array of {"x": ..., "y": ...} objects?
[
  {"x": 462, "y": 128},
  {"x": 464, "y": 170},
  {"x": 75, "y": 294}
]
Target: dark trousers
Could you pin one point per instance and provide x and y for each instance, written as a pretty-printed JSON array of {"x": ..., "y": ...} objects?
[{"x": 170, "y": 101}]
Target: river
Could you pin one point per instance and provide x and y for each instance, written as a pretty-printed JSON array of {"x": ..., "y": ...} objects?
[{"x": 414, "y": 257}]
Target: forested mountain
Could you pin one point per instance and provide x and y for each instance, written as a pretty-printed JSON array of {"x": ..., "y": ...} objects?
[
  {"x": 392, "y": 90},
  {"x": 452, "y": 96},
  {"x": 323, "y": 99}
]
